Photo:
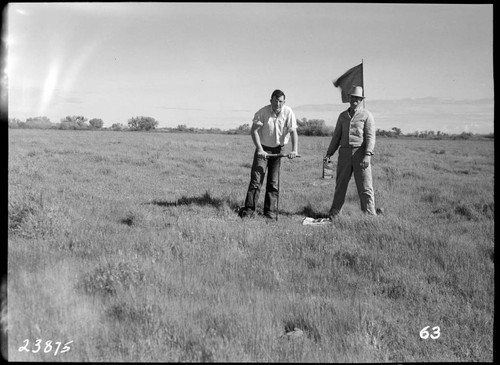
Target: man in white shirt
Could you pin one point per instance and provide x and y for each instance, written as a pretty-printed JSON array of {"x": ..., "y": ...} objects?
[{"x": 272, "y": 126}]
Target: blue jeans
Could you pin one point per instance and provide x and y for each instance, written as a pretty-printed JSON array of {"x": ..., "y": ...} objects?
[{"x": 257, "y": 174}]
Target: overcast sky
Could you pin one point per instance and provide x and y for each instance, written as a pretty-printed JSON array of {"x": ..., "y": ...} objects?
[{"x": 214, "y": 64}]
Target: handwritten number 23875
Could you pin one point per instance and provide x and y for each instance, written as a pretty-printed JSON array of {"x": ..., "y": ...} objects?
[{"x": 46, "y": 348}]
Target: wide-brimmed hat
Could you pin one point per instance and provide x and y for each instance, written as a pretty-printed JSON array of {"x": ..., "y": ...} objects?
[{"x": 357, "y": 91}]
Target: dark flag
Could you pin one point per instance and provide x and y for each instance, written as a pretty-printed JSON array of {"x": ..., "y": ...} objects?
[{"x": 353, "y": 77}]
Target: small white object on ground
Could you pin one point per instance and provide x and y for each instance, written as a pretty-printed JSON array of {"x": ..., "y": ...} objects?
[{"x": 315, "y": 222}]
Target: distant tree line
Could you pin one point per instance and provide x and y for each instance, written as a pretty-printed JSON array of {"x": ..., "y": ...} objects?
[
  {"x": 429, "y": 134},
  {"x": 305, "y": 127},
  {"x": 79, "y": 122}
]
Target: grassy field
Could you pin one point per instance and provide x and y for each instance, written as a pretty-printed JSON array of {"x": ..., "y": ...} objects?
[{"x": 128, "y": 245}]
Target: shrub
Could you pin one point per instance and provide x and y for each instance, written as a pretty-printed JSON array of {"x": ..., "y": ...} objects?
[
  {"x": 31, "y": 123},
  {"x": 74, "y": 122},
  {"x": 142, "y": 123},
  {"x": 118, "y": 127},
  {"x": 31, "y": 218},
  {"x": 39, "y": 123},
  {"x": 15, "y": 123},
  {"x": 96, "y": 123},
  {"x": 313, "y": 127},
  {"x": 105, "y": 280}
]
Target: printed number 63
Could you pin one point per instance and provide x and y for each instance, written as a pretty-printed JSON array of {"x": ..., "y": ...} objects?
[{"x": 425, "y": 334}]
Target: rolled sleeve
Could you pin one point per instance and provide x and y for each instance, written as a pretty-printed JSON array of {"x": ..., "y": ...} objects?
[
  {"x": 257, "y": 119},
  {"x": 292, "y": 122}
]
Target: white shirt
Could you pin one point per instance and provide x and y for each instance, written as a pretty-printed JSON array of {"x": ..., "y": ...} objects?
[{"x": 275, "y": 130}]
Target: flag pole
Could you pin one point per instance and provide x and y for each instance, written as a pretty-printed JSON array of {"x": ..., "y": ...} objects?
[{"x": 363, "y": 80}]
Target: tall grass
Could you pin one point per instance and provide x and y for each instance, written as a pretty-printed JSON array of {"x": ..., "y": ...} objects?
[{"x": 128, "y": 244}]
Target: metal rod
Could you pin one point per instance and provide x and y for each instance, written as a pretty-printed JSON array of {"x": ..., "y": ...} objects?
[
  {"x": 278, "y": 197},
  {"x": 279, "y": 155}
]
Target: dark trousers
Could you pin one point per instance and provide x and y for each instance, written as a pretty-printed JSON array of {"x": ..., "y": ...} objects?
[
  {"x": 349, "y": 163},
  {"x": 259, "y": 167}
]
